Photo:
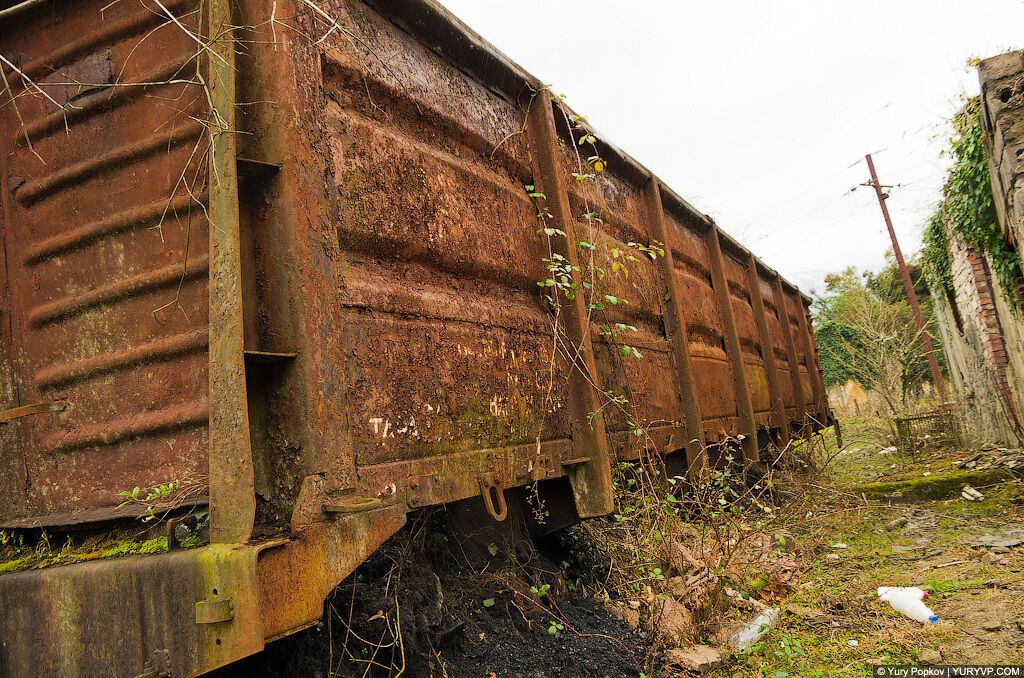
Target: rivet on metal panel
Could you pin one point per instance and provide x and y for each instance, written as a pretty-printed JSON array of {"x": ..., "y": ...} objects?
[
  {"x": 352, "y": 505},
  {"x": 493, "y": 492},
  {"x": 214, "y": 611}
]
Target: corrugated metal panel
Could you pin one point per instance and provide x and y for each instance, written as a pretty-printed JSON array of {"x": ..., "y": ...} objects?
[{"x": 106, "y": 252}]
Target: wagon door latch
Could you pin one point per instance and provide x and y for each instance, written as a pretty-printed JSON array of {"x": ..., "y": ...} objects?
[{"x": 493, "y": 492}]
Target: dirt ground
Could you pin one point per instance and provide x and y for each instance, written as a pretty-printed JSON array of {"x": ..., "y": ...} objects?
[{"x": 427, "y": 604}]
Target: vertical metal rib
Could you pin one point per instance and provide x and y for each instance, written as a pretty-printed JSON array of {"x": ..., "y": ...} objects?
[
  {"x": 794, "y": 363},
  {"x": 232, "y": 489}
]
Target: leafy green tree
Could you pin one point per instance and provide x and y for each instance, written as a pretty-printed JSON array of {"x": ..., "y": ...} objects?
[{"x": 866, "y": 332}]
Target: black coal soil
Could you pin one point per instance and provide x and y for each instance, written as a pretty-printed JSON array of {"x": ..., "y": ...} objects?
[{"x": 427, "y": 604}]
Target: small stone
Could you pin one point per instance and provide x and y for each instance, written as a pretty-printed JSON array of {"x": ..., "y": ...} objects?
[
  {"x": 899, "y": 522},
  {"x": 832, "y": 556},
  {"x": 699, "y": 658},
  {"x": 993, "y": 625},
  {"x": 852, "y": 643},
  {"x": 931, "y": 658}
]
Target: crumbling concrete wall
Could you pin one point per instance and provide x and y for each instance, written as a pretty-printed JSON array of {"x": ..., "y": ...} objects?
[{"x": 983, "y": 336}]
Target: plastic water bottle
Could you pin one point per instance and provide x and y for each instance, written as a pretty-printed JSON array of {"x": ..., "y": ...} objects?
[{"x": 907, "y": 600}]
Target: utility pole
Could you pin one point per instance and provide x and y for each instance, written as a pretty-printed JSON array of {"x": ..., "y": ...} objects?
[{"x": 908, "y": 284}]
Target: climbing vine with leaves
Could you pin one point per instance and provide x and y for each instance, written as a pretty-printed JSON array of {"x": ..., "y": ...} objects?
[
  {"x": 565, "y": 280},
  {"x": 968, "y": 208}
]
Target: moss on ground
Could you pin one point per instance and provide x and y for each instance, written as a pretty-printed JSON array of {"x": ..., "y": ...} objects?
[{"x": 932, "y": 486}]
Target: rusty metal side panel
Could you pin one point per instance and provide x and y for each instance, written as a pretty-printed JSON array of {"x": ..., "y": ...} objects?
[
  {"x": 750, "y": 342},
  {"x": 794, "y": 305},
  {"x": 711, "y": 369},
  {"x": 107, "y": 253},
  {"x": 778, "y": 342},
  {"x": 448, "y": 347}
]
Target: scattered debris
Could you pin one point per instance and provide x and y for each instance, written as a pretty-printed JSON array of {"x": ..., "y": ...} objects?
[
  {"x": 806, "y": 613},
  {"x": 990, "y": 558},
  {"x": 995, "y": 457}
]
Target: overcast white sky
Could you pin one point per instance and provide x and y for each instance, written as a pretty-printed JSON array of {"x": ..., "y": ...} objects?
[{"x": 760, "y": 113}]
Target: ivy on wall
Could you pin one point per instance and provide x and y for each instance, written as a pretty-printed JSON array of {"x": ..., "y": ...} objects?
[
  {"x": 935, "y": 257},
  {"x": 967, "y": 206}
]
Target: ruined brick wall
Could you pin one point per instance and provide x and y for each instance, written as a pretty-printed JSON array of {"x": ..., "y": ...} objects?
[
  {"x": 966, "y": 325},
  {"x": 983, "y": 337},
  {"x": 1002, "y": 96},
  {"x": 978, "y": 347}
]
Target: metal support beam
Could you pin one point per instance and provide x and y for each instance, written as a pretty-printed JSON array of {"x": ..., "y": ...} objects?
[
  {"x": 675, "y": 327},
  {"x": 232, "y": 489},
  {"x": 744, "y": 408},
  {"x": 591, "y": 480},
  {"x": 767, "y": 351}
]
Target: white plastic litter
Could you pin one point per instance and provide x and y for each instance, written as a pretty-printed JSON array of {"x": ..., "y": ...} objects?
[
  {"x": 887, "y": 450},
  {"x": 907, "y": 600},
  {"x": 754, "y": 629}
]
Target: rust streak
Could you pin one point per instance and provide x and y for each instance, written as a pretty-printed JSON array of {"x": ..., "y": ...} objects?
[{"x": 89, "y": 42}]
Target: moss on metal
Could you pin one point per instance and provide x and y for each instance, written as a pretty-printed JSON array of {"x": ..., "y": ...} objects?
[{"x": 18, "y": 553}]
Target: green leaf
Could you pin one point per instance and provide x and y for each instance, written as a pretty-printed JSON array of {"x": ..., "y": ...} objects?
[{"x": 488, "y": 602}]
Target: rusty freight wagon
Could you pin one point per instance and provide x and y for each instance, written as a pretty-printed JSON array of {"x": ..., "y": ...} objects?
[{"x": 285, "y": 255}]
